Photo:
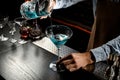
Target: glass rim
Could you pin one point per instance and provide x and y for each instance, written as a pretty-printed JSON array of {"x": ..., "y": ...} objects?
[{"x": 59, "y": 26}]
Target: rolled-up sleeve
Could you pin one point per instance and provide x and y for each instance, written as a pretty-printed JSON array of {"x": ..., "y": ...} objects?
[
  {"x": 101, "y": 53},
  {"x": 65, "y": 3}
]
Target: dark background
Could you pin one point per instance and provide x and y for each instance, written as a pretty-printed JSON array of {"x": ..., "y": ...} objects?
[{"x": 10, "y": 8}]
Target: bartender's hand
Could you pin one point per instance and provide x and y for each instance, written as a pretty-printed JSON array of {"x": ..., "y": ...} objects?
[
  {"x": 76, "y": 61},
  {"x": 49, "y": 8}
]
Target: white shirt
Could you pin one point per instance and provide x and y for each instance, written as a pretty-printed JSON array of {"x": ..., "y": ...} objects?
[{"x": 67, "y": 3}]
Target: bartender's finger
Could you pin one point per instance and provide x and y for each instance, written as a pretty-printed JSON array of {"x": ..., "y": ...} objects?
[
  {"x": 89, "y": 67},
  {"x": 64, "y": 58},
  {"x": 43, "y": 17},
  {"x": 67, "y": 62},
  {"x": 71, "y": 67}
]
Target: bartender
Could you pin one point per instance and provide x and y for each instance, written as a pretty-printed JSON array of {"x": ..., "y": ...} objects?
[{"x": 106, "y": 27}]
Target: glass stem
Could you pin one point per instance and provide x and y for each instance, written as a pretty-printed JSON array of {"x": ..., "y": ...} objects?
[
  {"x": 59, "y": 53},
  {"x": 50, "y": 20},
  {"x": 36, "y": 24},
  {"x": 1, "y": 36}
]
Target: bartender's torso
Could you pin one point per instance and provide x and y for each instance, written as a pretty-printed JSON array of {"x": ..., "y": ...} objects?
[{"x": 107, "y": 21}]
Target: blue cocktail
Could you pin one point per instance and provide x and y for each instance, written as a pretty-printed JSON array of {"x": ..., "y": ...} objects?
[{"x": 59, "y": 39}]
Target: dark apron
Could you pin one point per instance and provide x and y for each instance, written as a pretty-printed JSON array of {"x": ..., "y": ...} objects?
[{"x": 106, "y": 24}]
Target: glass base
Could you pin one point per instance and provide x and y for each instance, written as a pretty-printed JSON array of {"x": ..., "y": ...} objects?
[
  {"x": 13, "y": 40},
  {"x": 22, "y": 41},
  {"x": 53, "y": 66},
  {"x": 56, "y": 67},
  {"x": 2, "y": 38}
]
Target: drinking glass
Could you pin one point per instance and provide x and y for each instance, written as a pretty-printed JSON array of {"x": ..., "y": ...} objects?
[
  {"x": 12, "y": 31},
  {"x": 3, "y": 22},
  {"x": 58, "y": 34},
  {"x": 35, "y": 32},
  {"x": 20, "y": 21}
]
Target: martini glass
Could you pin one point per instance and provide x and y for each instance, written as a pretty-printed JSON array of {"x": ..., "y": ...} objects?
[{"x": 58, "y": 34}]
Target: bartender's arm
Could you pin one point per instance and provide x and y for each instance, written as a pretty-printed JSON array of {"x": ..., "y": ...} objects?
[
  {"x": 58, "y": 4},
  {"x": 65, "y": 3},
  {"x": 43, "y": 8},
  {"x": 75, "y": 61}
]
